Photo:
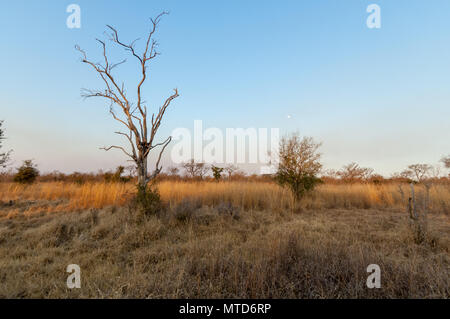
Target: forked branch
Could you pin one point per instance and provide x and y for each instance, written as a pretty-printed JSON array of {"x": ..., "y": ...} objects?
[{"x": 141, "y": 137}]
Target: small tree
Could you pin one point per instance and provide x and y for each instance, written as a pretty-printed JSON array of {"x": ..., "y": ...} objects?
[
  {"x": 217, "y": 172},
  {"x": 173, "y": 170},
  {"x": 330, "y": 173},
  {"x": 419, "y": 172},
  {"x": 353, "y": 172},
  {"x": 4, "y": 157},
  {"x": 131, "y": 171},
  {"x": 405, "y": 175},
  {"x": 116, "y": 177},
  {"x": 27, "y": 173},
  {"x": 299, "y": 164},
  {"x": 195, "y": 170},
  {"x": 231, "y": 169},
  {"x": 446, "y": 161}
]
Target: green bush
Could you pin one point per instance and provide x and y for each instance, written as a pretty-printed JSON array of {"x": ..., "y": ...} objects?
[
  {"x": 27, "y": 173},
  {"x": 148, "y": 200},
  {"x": 117, "y": 176},
  {"x": 299, "y": 164},
  {"x": 217, "y": 172},
  {"x": 298, "y": 184}
]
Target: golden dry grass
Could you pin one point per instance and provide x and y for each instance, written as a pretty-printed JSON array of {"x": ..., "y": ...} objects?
[
  {"x": 315, "y": 254},
  {"x": 60, "y": 196},
  {"x": 228, "y": 240}
]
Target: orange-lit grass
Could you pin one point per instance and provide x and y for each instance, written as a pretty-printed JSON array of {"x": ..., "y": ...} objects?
[
  {"x": 66, "y": 196},
  {"x": 60, "y": 196}
]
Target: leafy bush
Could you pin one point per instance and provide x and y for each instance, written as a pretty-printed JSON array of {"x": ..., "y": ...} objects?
[
  {"x": 299, "y": 164},
  {"x": 217, "y": 172},
  {"x": 27, "y": 173},
  {"x": 117, "y": 176},
  {"x": 148, "y": 200}
]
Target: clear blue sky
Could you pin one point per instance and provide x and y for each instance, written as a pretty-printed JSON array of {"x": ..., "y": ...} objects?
[{"x": 380, "y": 97}]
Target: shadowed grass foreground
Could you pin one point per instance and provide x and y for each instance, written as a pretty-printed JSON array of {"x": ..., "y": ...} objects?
[{"x": 195, "y": 251}]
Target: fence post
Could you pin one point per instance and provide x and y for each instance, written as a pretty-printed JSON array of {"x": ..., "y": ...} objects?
[{"x": 413, "y": 203}]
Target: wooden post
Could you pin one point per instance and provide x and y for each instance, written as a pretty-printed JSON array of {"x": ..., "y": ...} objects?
[
  {"x": 410, "y": 212},
  {"x": 413, "y": 204}
]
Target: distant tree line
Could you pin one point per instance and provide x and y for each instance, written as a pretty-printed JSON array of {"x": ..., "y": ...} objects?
[
  {"x": 28, "y": 173},
  {"x": 191, "y": 171},
  {"x": 299, "y": 169}
]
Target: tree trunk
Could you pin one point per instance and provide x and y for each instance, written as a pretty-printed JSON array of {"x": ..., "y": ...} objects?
[{"x": 142, "y": 173}]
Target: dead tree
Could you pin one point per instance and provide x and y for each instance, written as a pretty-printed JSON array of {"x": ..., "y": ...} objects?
[
  {"x": 231, "y": 169},
  {"x": 418, "y": 171},
  {"x": 194, "y": 169},
  {"x": 446, "y": 161},
  {"x": 140, "y": 131}
]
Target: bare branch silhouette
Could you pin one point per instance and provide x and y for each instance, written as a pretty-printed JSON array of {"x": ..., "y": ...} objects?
[{"x": 141, "y": 136}]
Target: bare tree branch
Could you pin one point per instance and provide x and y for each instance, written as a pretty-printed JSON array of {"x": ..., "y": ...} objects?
[
  {"x": 141, "y": 136},
  {"x": 157, "y": 167},
  {"x": 117, "y": 147}
]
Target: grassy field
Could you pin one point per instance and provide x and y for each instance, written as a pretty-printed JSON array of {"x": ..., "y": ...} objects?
[
  {"x": 221, "y": 240},
  {"x": 64, "y": 197}
]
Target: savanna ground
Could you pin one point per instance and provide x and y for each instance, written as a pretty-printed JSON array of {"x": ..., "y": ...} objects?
[{"x": 221, "y": 240}]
